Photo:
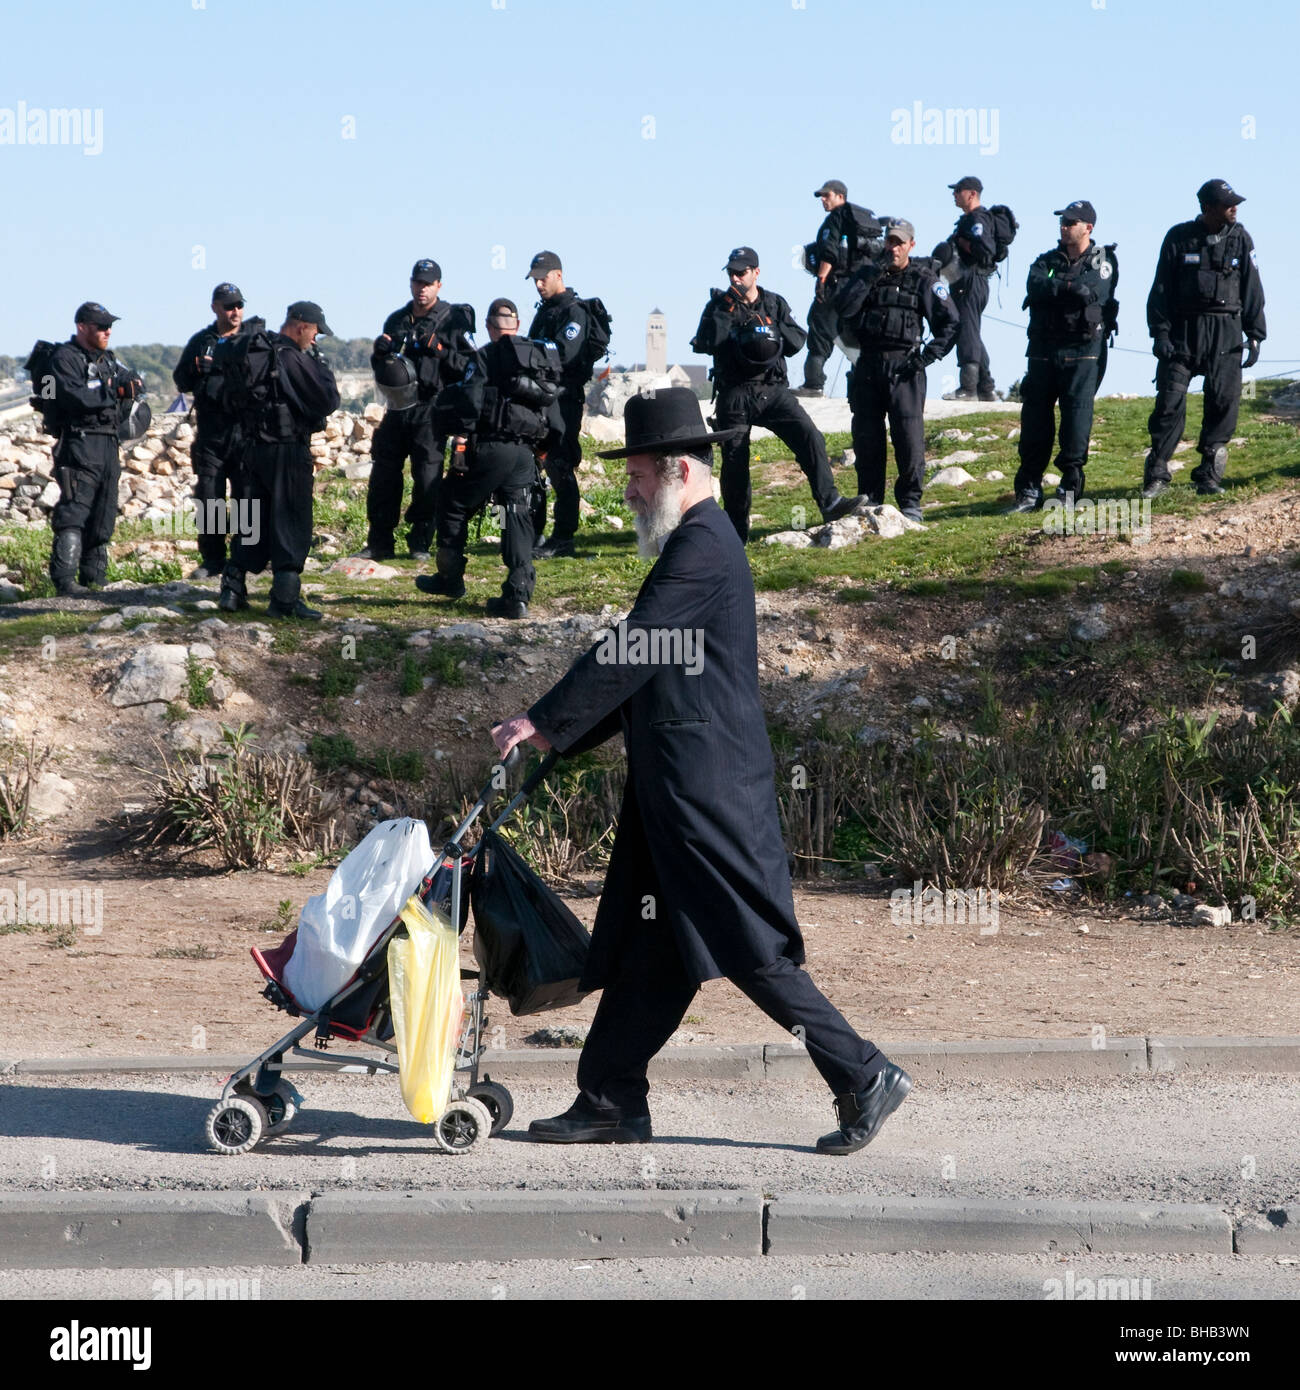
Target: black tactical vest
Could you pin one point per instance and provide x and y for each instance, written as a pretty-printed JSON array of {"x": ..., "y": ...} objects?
[
  {"x": 1208, "y": 269},
  {"x": 891, "y": 317}
]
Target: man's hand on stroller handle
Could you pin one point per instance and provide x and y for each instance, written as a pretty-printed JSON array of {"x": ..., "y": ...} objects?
[{"x": 516, "y": 730}]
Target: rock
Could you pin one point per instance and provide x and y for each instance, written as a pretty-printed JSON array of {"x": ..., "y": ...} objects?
[
  {"x": 373, "y": 412},
  {"x": 1207, "y": 916},
  {"x": 207, "y": 605},
  {"x": 358, "y": 471},
  {"x": 562, "y": 1035},
  {"x": 50, "y": 496},
  {"x": 51, "y": 796},
  {"x": 212, "y": 625},
  {"x": 471, "y": 630},
  {"x": 835, "y": 535},
  {"x": 411, "y": 704},
  {"x": 1182, "y": 902},
  {"x": 951, "y": 477},
  {"x": 1281, "y": 686},
  {"x": 111, "y": 623},
  {"x": 796, "y": 540},
  {"x": 994, "y": 475},
  {"x": 959, "y": 435},
  {"x": 920, "y": 703},
  {"x": 9, "y": 592},
  {"x": 962, "y": 456},
  {"x": 220, "y": 689},
  {"x": 195, "y": 735},
  {"x": 257, "y": 633},
  {"x": 1090, "y": 627},
  {"x": 154, "y": 673},
  {"x": 133, "y": 611},
  {"x": 1151, "y": 900},
  {"x": 202, "y": 652},
  {"x": 1051, "y": 479},
  {"x": 871, "y": 734},
  {"x": 354, "y": 567},
  {"x": 616, "y": 522}
]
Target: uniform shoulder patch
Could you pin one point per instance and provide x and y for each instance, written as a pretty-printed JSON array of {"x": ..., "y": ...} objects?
[
  {"x": 940, "y": 290},
  {"x": 1253, "y": 260},
  {"x": 1104, "y": 270},
  {"x": 572, "y": 330},
  {"x": 977, "y": 229},
  {"x": 469, "y": 338}
]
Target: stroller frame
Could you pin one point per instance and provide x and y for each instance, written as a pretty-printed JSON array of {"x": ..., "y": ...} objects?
[{"x": 257, "y": 1101}]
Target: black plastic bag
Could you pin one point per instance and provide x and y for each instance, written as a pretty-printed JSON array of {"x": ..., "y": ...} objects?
[{"x": 531, "y": 949}]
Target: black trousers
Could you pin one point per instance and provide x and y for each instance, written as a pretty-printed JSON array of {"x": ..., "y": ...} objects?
[
  {"x": 823, "y": 324},
  {"x": 503, "y": 468},
  {"x": 874, "y": 397},
  {"x": 404, "y": 434},
  {"x": 561, "y": 465},
  {"x": 775, "y": 408},
  {"x": 216, "y": 472},
  {"x": 1213, "y": 350},
  {"x": 276, "y": 490},
  {"x": 643, "y": 1005},
  {"x": 1067, "y": 375},
  {"x": 970, "y": 297},
  {"x": 87, "y": 469}
]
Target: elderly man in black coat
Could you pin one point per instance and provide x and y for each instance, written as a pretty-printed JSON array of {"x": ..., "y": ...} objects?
[{"x": 698, "y": 884}]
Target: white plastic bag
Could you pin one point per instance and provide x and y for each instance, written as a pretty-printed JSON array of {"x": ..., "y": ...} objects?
[{"x": 368, "y": 889}]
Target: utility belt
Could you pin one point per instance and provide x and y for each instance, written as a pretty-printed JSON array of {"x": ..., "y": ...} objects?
[{"x": 87, "y": 431}]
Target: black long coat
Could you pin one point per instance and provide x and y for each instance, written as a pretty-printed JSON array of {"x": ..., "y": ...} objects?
[{"x": 698, "y": 850}]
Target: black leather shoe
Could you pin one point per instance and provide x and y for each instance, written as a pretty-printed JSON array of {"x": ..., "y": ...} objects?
[
  {"x": 1209, "y": 489},
  {"x": 377, "y": 552},
  {"x": 580, "y": 1125},
  {"x": 1154, "y": 489},
  {"x": 439, "y": 584},
  {"x": 861, "y": 1113},
  {"x": 296, "y": 609},
  {"x": 553, "y": 549},
  {"x": 1025, "y": 502},
  {"x": 808, "y": 392},
  {"x": 421, "y": 556},
  {"x": 506, "y": 608},
  {"x": 842, "y": 506}
]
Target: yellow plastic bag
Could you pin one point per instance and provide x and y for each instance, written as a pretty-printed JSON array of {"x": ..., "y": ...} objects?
[{"x": 424, "y": 987}]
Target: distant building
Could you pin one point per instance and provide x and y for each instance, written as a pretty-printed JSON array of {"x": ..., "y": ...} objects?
[{"x": 656, "y": 344}]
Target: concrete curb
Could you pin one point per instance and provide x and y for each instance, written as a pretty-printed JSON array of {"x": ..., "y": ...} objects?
[
  {"x": 1032, "y": 1058},
  {"x": 815, "y": 1225},
  {"x": 421, "y": 1227},
  {"x": 135, "y": 1230},
  {"x": 140, "y": 1230}
]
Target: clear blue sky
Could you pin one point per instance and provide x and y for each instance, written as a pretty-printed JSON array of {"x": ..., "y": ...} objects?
[{"x": 494, "y": 128}]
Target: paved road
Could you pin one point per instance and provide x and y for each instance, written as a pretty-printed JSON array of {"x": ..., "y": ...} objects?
[
  {"x": 1230, "y": 1141},
  {"x": 1012, "y": 1277}
]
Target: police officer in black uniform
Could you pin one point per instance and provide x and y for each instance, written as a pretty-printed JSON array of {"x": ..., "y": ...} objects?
[
  {"x": 505, "y": 407},
  {"x": 848, "y": 236},
  {"x": 215, "y": 451},
  {"x": 1205, "y": 297},
  {"x": 562, "y": 320},
  {"x": 1070, "y": 295},
  {"x": 749, "y": 333},
  {"x": 888, "y": 304},
  {"x": 88, "y": 390},
  {"x": 976, "y": 248},
  {"x": 436, "y": 338},
  {"x": 277, "y": 471}
]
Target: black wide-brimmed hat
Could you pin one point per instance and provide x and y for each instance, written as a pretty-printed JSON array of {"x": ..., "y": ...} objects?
[{"x": 666, "y": 421}]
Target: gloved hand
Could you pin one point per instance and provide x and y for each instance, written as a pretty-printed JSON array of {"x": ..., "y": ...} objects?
[
  {"x": 913, "y": 365},
  {"x": 383, "y": 345},
  {"x": 1164, "y": 349},
  {"x": 1252, "y": 353},
  {"x": 819, "y": 291},
  {"x": 129, "y": 386},
  {"x": 203, "y": 364}
]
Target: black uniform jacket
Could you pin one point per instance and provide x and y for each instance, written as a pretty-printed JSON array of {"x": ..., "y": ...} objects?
[{"x": 699, "y": 841}]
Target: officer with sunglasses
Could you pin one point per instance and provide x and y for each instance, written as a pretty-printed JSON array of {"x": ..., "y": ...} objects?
[{"x": 216, "y": 448}]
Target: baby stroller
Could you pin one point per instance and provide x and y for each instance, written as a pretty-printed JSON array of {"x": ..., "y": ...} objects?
[{"x": 258, "y": 1101}]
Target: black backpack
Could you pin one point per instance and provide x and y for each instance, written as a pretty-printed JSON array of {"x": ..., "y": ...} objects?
[
  {"x": 1005, "y": 228},
  {"x": 598, "y": 335},
  {"x": 250, "y": 372},
  {"x": 40, "y": 368}
]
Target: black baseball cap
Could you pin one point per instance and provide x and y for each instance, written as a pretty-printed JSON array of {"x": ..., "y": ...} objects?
[
  {"x": 95, "y": 315},
  {"x": 543, "y": 263},
  {"x": 426, "y": 272},
  {"x": 1081, "y": 210},
  {"x": 742, "y": 258},
  {"x": 1219, "y": 193},
  {"x": 306, "y": 312},
  {"x": 970, "y": 181},
  {"x": 833, "y": 186},
  {"x": 227, "y": 294},
  {"x": 498, "y": 306}
]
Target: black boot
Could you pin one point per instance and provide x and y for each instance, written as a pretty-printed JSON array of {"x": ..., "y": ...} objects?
[
  {"x": 1208, "y": 478},
  {"x": 65, "y": 561},
  {"x": 234, "y": 593},
  {"x": 841, "y": 506},
  {"x": 94, "y": 566},
  {"x": 970, "y": 384},
  {"x": 1155, "y": 475},
  {"x": 286, "y": 598}
]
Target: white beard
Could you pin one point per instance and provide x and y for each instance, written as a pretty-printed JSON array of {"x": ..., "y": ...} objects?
[{"x": 654, "y": 526}]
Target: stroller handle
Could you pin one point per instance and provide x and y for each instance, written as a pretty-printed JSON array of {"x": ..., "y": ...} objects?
[{"x": 508, "y": 764}]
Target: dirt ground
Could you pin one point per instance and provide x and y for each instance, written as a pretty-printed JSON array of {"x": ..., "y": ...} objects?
[{"x": 130, "y": 989}]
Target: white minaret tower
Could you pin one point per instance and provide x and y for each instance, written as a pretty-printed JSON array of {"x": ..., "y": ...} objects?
[{"x": 656, "y": 344}]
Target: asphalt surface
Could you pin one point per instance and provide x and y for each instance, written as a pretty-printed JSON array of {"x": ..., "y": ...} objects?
[{"x": 1232, "y": 1142}]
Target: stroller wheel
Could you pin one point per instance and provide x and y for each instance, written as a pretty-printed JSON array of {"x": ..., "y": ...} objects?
[
  {"x": 236, "y": 1125},
  {"x": 498, "y": 1101},
  {"x": 464, "y": 1124},
  {"x": 281, "y": 1106}
]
